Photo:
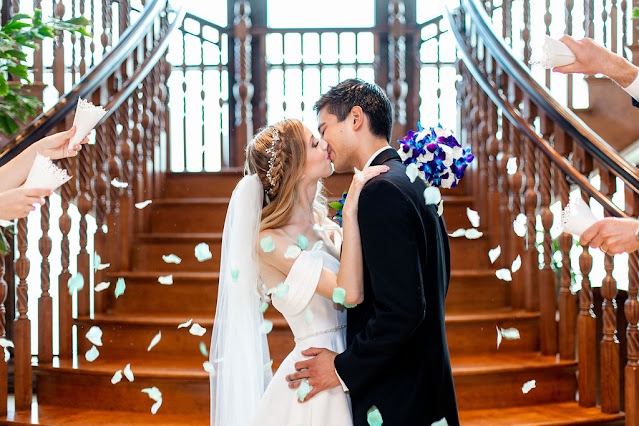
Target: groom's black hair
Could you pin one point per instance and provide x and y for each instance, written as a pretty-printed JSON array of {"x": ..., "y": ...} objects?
[{"x": 340, "y": 99}]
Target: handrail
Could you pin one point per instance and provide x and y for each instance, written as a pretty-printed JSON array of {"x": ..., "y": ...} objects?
[
  {"x": 46, "y": 121},
  {"x": 574, "y": 126}
]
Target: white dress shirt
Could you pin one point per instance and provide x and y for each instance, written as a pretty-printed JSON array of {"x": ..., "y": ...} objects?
[{"x": 633, "y": 89}]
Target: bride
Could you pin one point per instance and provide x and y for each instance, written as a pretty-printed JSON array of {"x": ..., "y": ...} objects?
[{"x": 277, "y": 246}]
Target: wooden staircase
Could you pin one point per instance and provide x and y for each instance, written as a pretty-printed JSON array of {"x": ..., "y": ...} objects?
[{"x": 488, "y": 380}]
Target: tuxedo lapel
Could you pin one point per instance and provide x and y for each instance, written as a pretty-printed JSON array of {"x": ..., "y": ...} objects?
[{"x": 384, "y": 156}]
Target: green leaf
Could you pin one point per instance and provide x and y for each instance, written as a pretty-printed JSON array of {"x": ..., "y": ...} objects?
[
  {"x": 19, "y": 71},
  {"x": 4, "y": 88},
  {"x": 79, "y": 20},
  {"x": 336, "y": 205},
  {"x": 46, "y": 32},
  {"x": 8, "y": 125},
  {"x": 635, "y": 13},
  {"x": 17, "y": 54}
]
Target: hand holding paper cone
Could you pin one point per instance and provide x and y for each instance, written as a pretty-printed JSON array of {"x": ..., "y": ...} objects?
[
  {"x": 60, "y": 145},
  {"x": 45, "y": 174},
  {"x": 18, "y": 203},
  {"x": 86, "y": 117},
  {"x": 554, "y": 53}
]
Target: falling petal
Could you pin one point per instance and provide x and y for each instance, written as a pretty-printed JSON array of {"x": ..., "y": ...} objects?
[
  {"x": 155, "y": 341},
  {"x": 304, "y": 388},
  {"x": 374, "y": 417},
  {"x": 519, "y": 225},
  {"x": 308, "y": 315},
  {"x": 7, "y": 355},
  {"x": 94, "y": 335},
  {"x": 197, "y": 330},
  {"x": 116, "y": 377},
  {"x": 292, "y": 252},
  {"x": 120, "y": 286},
  {"x": 280, "y": 291},
  {"x": 432, "y": 195},
  {"x": 504, "y": 274},
  {"x": 128, "y": 373},
  {"x": 473, "y": 234},
  {"x": 263, "y": 307},
  {"x": 202, "y": 252},
  {"x": 458, "y": 233},
  {"x": 92, "y": 354},
  {"x": 166, "y": 279},
  {"x": 203, "y": 349},
  {"x": 267, "y": 326},
  {"x": 118, "y": 184},
  {"x": 6, "y": 223},
  {"x": 318, "y": 246},
  {"x": 154, "y": 393},
  {"x": 339, "y": 295},
  {"x": 97, "y": 263},
  {"x": 499, "y": 336},
  {"x": 235, "y": 274},
  {"x": 348, "y": 305},
  {"x": 6, "y": 343},
  {"x": 102, "y": 286},
  {"x": 186, "y": 324},
  {"x": 267, "y": 244},
  {"x": 412, "y": 171},
  {"x": 440, "y": 422},
  {"x": 473, "y": 216},
  {"x": 268, "y": 366},
  {"x": 511, "y": 166},
  {"x": 510, "y": 333},
  {"x": 516, "y": 264},
  {"x": 156, "y": 406},
  {"x": 440, "y": 208},
  {"x": 359, "y": 174},
  {"x": 143, "y": 204},
  {"x": 528, "y": 386},
  {"x": 302, "y": 241},
  {"x": 318, "y": 227},
  {"x": 208, "y": 367},
  {"x": 493, "y": 254},
  {"x": 76, "y": 282},
  {"x": 171, "y": 258}
]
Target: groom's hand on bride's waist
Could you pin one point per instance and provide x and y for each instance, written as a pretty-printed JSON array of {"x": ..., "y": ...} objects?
[{"x": 319, "y": 371}]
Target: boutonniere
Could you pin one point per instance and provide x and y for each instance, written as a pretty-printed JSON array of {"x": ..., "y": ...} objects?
[{"x": 338, "y": 206}]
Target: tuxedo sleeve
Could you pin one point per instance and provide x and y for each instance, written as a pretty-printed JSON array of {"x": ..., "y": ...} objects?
[
  {"x": 388, "y": 224},
  {"x": 635, "y": 102}
]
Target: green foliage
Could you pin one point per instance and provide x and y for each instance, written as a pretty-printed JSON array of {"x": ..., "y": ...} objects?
[
  {"x": 635, "y": 13},
  {"x": 20, "y": 33},
  {"x": 4, "y": 243}
]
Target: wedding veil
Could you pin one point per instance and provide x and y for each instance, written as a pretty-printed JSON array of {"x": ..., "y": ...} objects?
[{"x": 239, "y": 348}]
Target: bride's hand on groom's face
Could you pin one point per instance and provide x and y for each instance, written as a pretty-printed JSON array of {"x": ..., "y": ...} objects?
[
  {"x": 359, "y": 180},
  {"x": 319, "y": 371}
]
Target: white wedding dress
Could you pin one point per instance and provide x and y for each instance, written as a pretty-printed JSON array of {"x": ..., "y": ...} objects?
[{"x": 315, "y": 322}]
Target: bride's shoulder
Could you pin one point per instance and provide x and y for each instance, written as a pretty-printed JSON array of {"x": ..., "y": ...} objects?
[{"x": 272, "y": 246}]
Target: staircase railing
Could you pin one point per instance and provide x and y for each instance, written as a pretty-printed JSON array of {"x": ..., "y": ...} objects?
[
  {"x": 532, "y": 154},
  {"x": 130, "y": 82}
]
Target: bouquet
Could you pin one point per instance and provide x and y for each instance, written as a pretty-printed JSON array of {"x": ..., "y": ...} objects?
[{"x": 435, "y": 156}]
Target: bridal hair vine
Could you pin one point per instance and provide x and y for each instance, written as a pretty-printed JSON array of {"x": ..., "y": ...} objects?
[{"x": 273, "y": 151}]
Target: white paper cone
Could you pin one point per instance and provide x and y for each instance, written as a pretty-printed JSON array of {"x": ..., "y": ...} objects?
[
  {"x": 45, "y": 175},
  {"x": 553, "y": 53},
  {"x": 577, "y": 217},
  {"x": 86, "y": 117}
]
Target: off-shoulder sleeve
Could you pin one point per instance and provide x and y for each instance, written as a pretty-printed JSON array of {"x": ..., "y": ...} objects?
[{"x": 302, "y": 281}]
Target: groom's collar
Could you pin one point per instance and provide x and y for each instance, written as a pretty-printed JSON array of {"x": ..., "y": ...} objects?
[
  {"x": 383, "y": 156},
  {"x": 375, "y": 155}
]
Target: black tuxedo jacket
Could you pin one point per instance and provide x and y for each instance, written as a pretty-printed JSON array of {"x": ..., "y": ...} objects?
[
  {"x": 397, "y": 356},
  {"x": 635, "y": 103}
]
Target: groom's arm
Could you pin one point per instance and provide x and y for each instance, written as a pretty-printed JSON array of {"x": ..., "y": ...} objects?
[{"x": 388, "y": 222}]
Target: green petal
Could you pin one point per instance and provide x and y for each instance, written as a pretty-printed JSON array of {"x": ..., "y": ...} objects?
[
  {"x": 203, "y": 349},
  {"x": 76, "y": 282},
  {"x": 302, "y": 241},
  {"x": 339, "y": 294},
  {"x": 263, "y": 307},
  {"x": 267, "y": 326},
  {"x": 268, "y": 365},
  {"x": 374, "y": 417},
  {"x": 235, "y": 274},
  {"x": 303, "y": 390},
  {"x": 120, "y": 286},
  {"x": 348, "y": 305},
  {"x": 267, "y": 244}
]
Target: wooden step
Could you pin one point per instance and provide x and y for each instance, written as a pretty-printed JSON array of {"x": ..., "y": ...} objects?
[
  {"x": 132, "y": 334},
  {"x": 495, "y": 381},
  {"x": 469, "y": 254},
  {"x": 476, "y": 332},
  {"x": 148, "y": 250},
  {"x": 63, "y": 416},
  {"x": 553, "y": 414},
  {"x": 476, "y": 289},
  {"x": 188, "y": 215}
]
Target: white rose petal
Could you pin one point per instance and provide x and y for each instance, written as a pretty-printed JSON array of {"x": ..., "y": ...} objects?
[
  {"x": 432, "y": 195},
  {"x": 118, "y": 184},
  {"x": 473, "y": 216},
  {"x": 94, "y": 335},
  {"x": 510, "y": 333},
  {"x": 440, "y": 208},
  {"x": 92, "y": 354},
  {"x": 186, "y": 324},
  {"x": 171, "y": 258},
  {"x": 5, "y": 223},
  {"x": 493, "y": 254},
  {"x": 7, "y": 355},
  {"x": 528, "y": 386},
  {"x": 292, "y": 252},
  {"x": 155, "y": 341},
  {"x": 359, "y": 174},
  {"x": 440, "y": 422},
  {"x": 202, "y": 252},
  {"x": 6, "y": 343},
  {"x": 504, "y": 274},
  {"x": 166, "y": 279},
  {"x": 208, "y": 367},
  {"x": 197, "y": 330},
  {"x": 128, "y": 373},
  {"x": 412, "y": 171},
  {"x": 154, "y": 393},
  {"x": 458, "y": 233},
  {"x": 116, "y": 377},
  {"x": 516, "y": 264},
  {"x": 143, "y": 204},
  {"x": 473, "y": 234},
  {"x": 511, "y": 166},
  {"x": 519, "y": 225},
  {"x": 499, "y": 336},
  {"x": 101, "y": 286},
  {"x": 155, "y": 407}
]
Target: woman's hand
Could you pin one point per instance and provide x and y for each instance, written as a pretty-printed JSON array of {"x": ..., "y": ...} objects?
[
  {"x": 358, "y": 182},
  {"x": 19, "y": 202},
  {"x": 57, "y": 146}
]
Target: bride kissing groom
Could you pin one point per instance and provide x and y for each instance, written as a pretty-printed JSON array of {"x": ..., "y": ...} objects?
[{"x": 385, "y": 357}]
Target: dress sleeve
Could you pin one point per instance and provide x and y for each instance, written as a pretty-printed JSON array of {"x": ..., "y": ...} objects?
[{"x": 302, "y": 281}]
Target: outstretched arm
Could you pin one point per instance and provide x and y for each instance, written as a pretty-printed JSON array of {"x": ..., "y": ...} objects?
[{"x": 612, "y": 235}]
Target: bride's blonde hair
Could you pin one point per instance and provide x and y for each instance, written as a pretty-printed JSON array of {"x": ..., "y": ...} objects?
[{"x": 286, "y": 171}]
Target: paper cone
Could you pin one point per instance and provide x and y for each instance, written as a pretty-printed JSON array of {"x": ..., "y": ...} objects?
[
  {"x": 45, "y": 175},
  {"x": 553, "y": 53},
  {"x": 577, "y": 217},
  {"x": 86, "y": 117}
]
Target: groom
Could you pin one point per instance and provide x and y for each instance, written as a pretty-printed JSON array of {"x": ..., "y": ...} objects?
[{"x": 397, "y": 355}]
